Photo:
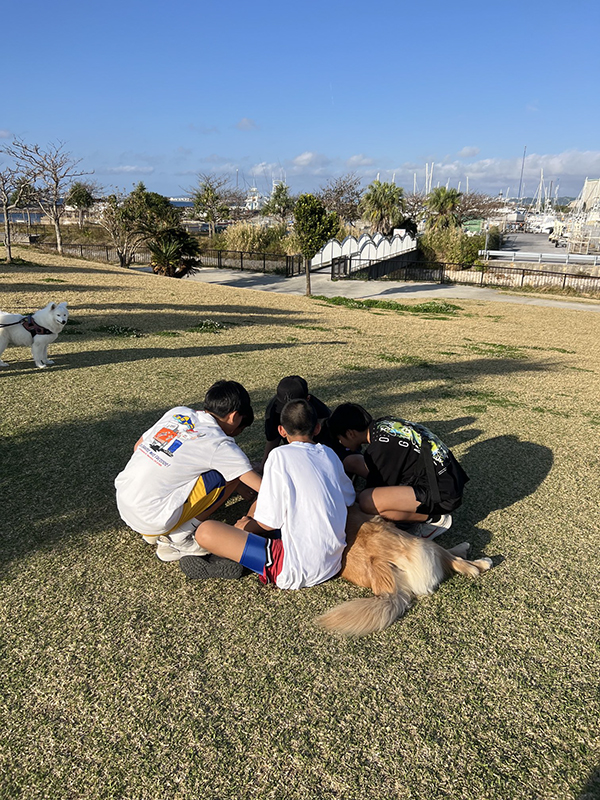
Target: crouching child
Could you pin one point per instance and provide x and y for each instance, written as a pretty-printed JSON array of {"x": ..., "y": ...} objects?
[
  {"x": 411, "y": 476},
  {"x": 184, "y": 468}
]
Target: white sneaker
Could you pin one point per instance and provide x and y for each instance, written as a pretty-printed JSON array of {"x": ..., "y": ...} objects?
[
  {"x": 430, "y": 530},
  {"x": 166, "y": 550}
]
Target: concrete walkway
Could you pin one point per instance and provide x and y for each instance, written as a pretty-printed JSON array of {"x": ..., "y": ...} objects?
[{"x": 321, "y": 283}]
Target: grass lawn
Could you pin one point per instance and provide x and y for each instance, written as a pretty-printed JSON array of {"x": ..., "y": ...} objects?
[{"x": 123, "y": 680}]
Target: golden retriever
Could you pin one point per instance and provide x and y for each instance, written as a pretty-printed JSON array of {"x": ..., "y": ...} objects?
[{"x": 397, "y": 567}]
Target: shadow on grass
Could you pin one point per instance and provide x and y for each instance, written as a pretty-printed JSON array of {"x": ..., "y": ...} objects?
[
  {"x": 41, "y": 285},
  {"x": 503, "y": 471},
  {"x": 95, "y": 358},
  {"x": 591, "y": 791},
  {"x": 69, "y": 489}
]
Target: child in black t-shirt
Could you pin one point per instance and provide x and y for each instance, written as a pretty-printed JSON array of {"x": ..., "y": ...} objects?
[
  {"x": 406, "y": 481},
  {"x": 296, "y": 388}
]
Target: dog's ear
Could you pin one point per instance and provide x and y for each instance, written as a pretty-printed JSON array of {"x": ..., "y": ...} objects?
[{"x": 52, "y": 306}]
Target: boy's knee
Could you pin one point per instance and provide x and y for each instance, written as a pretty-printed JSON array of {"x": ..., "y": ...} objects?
[{"x": 203, "y": 534}]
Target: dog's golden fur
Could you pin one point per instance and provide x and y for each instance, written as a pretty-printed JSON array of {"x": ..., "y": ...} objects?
[{"x": 397, "y": 567}]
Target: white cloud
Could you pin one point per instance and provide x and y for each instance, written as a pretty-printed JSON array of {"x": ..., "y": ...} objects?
[
  {"x": 306, "y": 159},
  {"x": 246, "y": 124},
  {"x": 468, "y": 152},
  {"x": 127, "y": 169},
  {"x": 359, "y": 160},
  {"x": 5, "y": 134},
  {"x": 267, "y": 169},
  {"x": 491, "y": 175}
]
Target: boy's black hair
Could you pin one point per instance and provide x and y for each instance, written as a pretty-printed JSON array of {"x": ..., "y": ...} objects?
[
  {"x": 349, "y": 417},
  {"x": 225, "y": 397},
  {"x": 299, "y": 418}
]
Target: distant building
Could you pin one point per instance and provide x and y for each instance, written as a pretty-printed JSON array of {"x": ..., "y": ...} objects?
[{"x": 254, "y": 200}]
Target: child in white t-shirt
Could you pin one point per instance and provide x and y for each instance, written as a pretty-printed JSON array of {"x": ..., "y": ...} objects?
[
  {"x": 304, "y": 494},
  {"x": 184, "y": 467}
]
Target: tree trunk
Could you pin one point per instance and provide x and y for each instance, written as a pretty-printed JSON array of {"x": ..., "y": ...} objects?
[
  {"x": 307, "y": 271},
  {"x": 58, "y": 235},
  {"x": 7, "y": 235}
]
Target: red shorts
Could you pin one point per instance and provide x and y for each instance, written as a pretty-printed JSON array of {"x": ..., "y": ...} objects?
[
  {"x": 263, "y": 556},
  {"x": 273, "y": 561}
]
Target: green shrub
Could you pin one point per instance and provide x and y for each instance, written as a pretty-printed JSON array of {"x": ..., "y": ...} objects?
[{"x": 453, "y": 246}]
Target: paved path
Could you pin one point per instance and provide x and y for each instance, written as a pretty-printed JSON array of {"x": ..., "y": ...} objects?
[{"x": 321, "y": 283}]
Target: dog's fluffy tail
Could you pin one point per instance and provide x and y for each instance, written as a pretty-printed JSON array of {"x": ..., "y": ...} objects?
[{"x": 368, "y": 614}]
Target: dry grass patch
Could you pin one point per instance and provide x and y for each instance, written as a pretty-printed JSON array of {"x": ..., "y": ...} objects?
[{"x": 122, "y": 680}]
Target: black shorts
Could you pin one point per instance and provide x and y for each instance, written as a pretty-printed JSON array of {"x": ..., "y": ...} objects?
[{"x": 427, "y": 506}]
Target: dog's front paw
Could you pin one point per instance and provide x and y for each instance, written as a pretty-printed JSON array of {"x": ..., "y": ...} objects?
[
  {"x": 42, "y": 366},
  {"x": 3, "y": 364},
  {"x": 49, "y": 363}
]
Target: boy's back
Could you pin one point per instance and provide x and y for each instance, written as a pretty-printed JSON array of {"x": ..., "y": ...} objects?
[{"x": 305, "y": 492}]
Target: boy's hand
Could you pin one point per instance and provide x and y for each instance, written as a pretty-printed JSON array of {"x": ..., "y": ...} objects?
[{"x": 244, "y": 523}]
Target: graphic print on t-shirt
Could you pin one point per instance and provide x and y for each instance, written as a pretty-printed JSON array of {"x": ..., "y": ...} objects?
[
  {"x": 413, "y": 434},
  {"x": 168, "y": 439}
]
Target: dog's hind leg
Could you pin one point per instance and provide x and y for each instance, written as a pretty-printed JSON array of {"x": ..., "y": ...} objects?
[
  {"x": 454, "y": 563},
  {"x": 3, "y": 345}
]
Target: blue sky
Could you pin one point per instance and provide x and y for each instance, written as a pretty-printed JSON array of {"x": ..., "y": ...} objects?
[{"x": 159, "y": 92}]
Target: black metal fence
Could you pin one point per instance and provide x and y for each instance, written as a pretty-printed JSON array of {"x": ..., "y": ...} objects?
[
  {"x": 97, "y": 252},
  {"x": 367, "y": 269},
  {"x": 493, "y": 276},
  {"x": 273, "y": 263}
]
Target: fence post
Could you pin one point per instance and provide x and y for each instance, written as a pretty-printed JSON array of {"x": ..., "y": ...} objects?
[
  {"x": 481, "y": 281},
  {"x": 522, "y": 277},
  {"x": 81, "y": 250},
  {"x": 564, "y": 280},
  {"x": 107, "y": 253},
  {"x": 264, "y": 263},
  {"x": 241, "y": 261},
  {"x": 219, "y": 259}
]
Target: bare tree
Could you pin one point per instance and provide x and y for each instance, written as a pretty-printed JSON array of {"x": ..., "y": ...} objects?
[
  {"x": 342, "y": 196},
  {"x": 415, "y": 204},
  {"x": 212, "y": 198},
  {"x": 50, "y": 172},
  {"x": 12, "y": 191},
  {"x": 476, "y": 205}
]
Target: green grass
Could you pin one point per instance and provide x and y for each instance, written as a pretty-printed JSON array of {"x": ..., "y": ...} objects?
[
  {"x": 208, "y": 326},
  {"x": 121, "y": 679},
  {"x": 123, "y": 331},
  {"x": 431, "y": 307}
]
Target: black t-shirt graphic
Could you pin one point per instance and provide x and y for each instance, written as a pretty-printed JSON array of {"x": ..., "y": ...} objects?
[{"x": 393, "y": 457}]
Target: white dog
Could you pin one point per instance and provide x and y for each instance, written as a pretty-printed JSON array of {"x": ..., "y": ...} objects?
[{"x": 34, "y": 330}]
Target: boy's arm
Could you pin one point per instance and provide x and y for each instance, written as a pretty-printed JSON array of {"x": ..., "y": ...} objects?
[
  {"x": 251, "y": 479},
  {"x": 138, "y": 443},
  {"x": 252, "y": 526},
  {"x": 355, "y": 464}
]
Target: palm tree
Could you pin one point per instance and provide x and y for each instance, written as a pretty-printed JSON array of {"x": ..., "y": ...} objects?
[
  {"x": 174, "y": 252},
  {"x": 443, "y": 205},
  {"x": 383, "y": 206}
]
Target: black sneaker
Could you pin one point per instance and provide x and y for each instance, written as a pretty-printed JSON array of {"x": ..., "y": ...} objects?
[{"x": 197, "y": 568}]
